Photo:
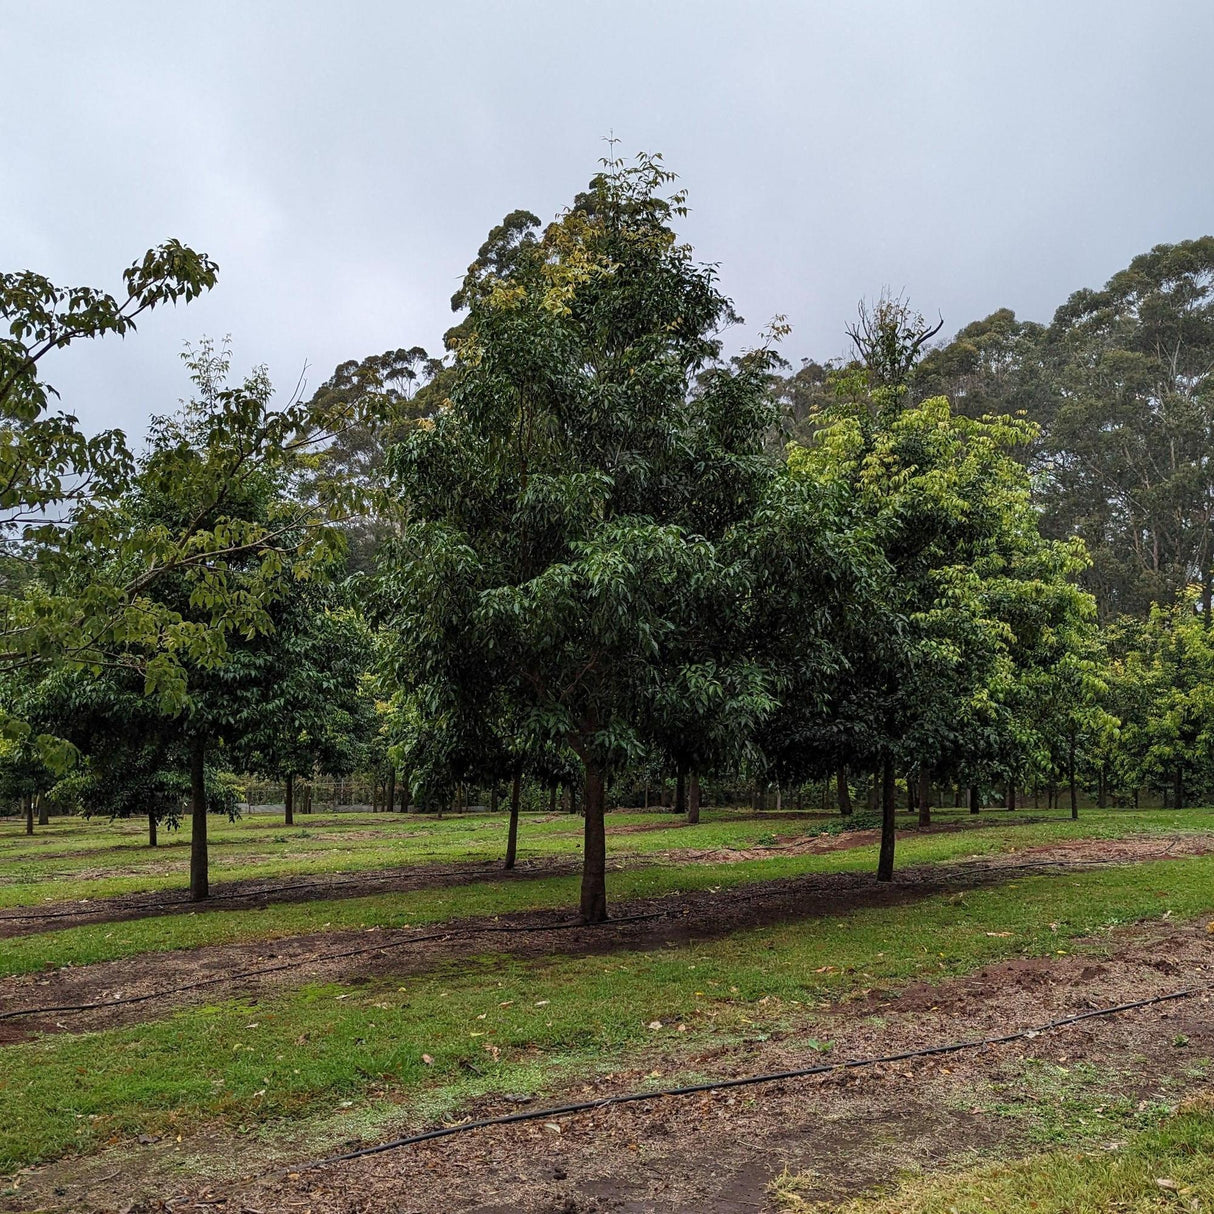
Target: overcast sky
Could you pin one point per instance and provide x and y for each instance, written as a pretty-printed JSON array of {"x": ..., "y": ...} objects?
[{"x": 343, "y": 161}]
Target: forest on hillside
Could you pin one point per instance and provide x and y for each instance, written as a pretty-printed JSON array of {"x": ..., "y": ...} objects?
[{"x": 586, "y": 556}]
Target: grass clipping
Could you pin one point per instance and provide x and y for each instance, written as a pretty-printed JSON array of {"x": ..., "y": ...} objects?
[{"x": 1167, "y": 1168}]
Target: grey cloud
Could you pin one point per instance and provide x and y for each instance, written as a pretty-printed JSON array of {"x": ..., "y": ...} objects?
[{"x": 343, "y": 162}]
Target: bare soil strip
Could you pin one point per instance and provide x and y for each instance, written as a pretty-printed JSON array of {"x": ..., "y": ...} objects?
[
  {"x": 51, "y": 916},
  {"x": 642, "y": 924},
  {"x": 716, "y": 1154}
]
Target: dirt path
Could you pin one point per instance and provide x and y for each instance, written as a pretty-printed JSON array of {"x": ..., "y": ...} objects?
[
  {"x": 717, "y": 1153},
  {"x": 642, "y": 924},
  {"x": 241, "y": 895},
  {"x": 229, "y": 895}
]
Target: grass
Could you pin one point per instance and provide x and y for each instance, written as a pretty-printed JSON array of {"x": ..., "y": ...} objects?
[
  {"x": 76, "y": 859},
  {"x": 301, "y": 1053},
  {"x": 84, "y": 945},
  {"x": 1169, "y": 1167}
]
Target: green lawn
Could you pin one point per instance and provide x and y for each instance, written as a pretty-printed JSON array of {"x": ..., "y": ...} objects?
[
  {"x": 82, "y": 945},
  {"x": 301, "y": 1053},
  {"x": 76, "y": 859},
  {"x": 1168, "y": 1167}
]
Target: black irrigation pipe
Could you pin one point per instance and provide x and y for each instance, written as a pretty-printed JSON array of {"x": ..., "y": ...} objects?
[
  {"x": 98, "y": 1005},
  {"x": 693, "y": 1089}
]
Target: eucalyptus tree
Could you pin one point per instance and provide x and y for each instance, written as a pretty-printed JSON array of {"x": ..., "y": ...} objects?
[
  {"x": 996, "y": 366},
  {"x": 565, "y": 509},
  {"x": 1127, "y": 455},
  {"x": 386, "y": 393}
]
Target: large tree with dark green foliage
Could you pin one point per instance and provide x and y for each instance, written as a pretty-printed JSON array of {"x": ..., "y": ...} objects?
[{"x": 566, "y": 510}]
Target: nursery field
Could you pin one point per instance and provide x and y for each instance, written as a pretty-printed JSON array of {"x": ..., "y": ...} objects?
[{"x": 362, "y": 978}]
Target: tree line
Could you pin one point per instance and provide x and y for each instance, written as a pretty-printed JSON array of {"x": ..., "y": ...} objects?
[{"x": 591, "y": 545}]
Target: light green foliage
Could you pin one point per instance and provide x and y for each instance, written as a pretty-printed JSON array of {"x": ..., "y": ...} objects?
[{"x": 1162, "y": 690}]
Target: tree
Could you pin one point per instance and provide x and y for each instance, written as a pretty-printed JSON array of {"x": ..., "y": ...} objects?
[
  {"x": 992, "y": 367},
  {"x": 1126, "y": 462},
  {"x": 565, "y": 510},
  {"x": 1162, "y": 689},
  {"x": 390, "y": 391},
  {"x": 208, "y": 555},
  {"x": 50, "y": 471},
  {"x": 315, "y": 710},
  {"x": 967, "y": 587}
]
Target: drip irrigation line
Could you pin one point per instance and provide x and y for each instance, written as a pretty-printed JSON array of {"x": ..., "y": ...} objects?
[
  {"x": 344, "y": 954},
  {"x": 586, "y": 1106}
]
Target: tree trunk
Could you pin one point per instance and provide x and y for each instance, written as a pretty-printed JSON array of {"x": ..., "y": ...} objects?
[
  {"x": 889, "y": 808},
  {"x": 843, "y": 792},
  {"x": 1011, "y": 796},
  {"x": 493, "y": 798},
  {"x": 199, "y": 888},
  {"x": 594, "y": 853},
  {"x": 1070, "y": 775},
  {"x": 975, "y": 799},
  {"x": 956, "y": 796},
  {"x": 646, "y": 797},
  {"x": 779, "y": 797},
  {"x": 680, "y": 790},
  {"x": 152, "y": 828},
  {"x": 288, "y": 797},
  {"x": 29, "y": 815},
  {"x": 516, "y": 792},
  {"x": 44, "y": 810},
  {"x": 1178, "y": 790},
  {"x": 406, "y": 793},
  {"x": 693, "y": 798},
  {"x": 390, "y": 799},
  {"x": 925, "y": 797}
]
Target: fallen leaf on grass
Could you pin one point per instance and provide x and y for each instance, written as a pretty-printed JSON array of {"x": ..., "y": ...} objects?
[{"x": 427, "y": 1060}]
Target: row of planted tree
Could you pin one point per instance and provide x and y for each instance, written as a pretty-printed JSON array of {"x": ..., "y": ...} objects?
[{"x": 571, "y": 552}]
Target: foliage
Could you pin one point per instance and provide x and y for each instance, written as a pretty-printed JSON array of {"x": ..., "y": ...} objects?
[{"x": 561, "y": 564}]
